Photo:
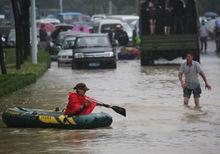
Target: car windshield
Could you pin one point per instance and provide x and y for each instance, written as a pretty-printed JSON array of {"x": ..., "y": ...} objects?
[
  {"x": 108, "y": 28},
  {"x": 11, "y": 34},
  {"x": 68, "y": 43},
  {"x": 93, "y": 41}
]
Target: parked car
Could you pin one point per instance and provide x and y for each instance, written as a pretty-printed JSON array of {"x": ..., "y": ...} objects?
[
  {"x": 65, "y": 55},
  {"x": 93, "y": 51},
  {"x": 106, "y": 25},
  {"x": 125, "y": 18},
  {"x": 52, "y": 42},
  {"x": 11, "y": 40},
  {"x": 98, "y": 17}
]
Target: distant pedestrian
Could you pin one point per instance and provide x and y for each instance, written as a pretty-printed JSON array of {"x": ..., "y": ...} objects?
[
  {"x": 43, "y": 33},
  {"x": 217, "y": 35},
  {"x": 190, "y": 83},
  {"x": 168, "y": 14},
  {"x": 203, "y": 33},
  {"x": 178, "y": 16},
  {"x": 120, "y": 35},
  {"x": 152, "y": 15}
]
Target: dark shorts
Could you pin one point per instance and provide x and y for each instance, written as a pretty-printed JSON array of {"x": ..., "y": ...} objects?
[
  {"x": 203, "y": 39},
  {"x": 196, "y": 92}
]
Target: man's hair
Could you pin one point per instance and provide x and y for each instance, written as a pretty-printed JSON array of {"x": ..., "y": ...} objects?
[{"x": 189, "y": 53}]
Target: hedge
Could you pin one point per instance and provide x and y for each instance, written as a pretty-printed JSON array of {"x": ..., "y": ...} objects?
[{"x": 28, "y": 74}]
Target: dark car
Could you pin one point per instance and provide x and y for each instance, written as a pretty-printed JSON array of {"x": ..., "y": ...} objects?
[{"x": 93, "y": 51}]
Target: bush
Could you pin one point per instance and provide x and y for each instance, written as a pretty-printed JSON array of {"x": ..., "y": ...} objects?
[
  {"x": 17, "y": 79},
  {"x": 13, "y": 82}
]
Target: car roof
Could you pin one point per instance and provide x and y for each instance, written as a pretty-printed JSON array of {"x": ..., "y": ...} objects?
[
  {"x": 63, "y": 25},
  {"x": 124, "y": 17},
  {"x": 67, "y": 35},
  {"x": 110, "y": 21},
  {"x": 91, "y": 34},
  {"x": 69, "y": 13}
]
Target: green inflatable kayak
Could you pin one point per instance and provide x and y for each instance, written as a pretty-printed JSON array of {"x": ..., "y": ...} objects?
[{"x": 25, "y": 117}]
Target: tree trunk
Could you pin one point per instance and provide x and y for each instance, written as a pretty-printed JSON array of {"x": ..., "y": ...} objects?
[
  {"x": 25, "y": 27},
  {"x": 16, "y": 18}
]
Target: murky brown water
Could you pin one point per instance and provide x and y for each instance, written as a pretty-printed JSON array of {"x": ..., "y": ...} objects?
[{"x": 156, "y": 121}]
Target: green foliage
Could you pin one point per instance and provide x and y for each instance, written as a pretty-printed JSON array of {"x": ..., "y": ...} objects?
[
  {"x": 17, "y": 79},
  {"x": 10, "y": 56},
  {"x": 13, "y": 82}
]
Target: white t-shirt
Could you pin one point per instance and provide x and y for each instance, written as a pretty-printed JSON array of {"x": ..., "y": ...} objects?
[
  {"x": 203, "y": 31},
  {"x": 191, "y": 74}
]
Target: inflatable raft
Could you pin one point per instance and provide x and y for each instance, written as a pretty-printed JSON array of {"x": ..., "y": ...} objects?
[{"x": 25, "y": 117}]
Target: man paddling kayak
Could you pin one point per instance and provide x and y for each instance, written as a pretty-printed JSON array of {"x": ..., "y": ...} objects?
[{"x": 79, "y": 103}]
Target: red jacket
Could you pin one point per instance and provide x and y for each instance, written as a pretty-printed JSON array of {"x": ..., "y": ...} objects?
[{"x": 76, "y": 101}]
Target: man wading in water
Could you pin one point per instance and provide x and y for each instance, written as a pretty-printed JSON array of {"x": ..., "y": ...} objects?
[{"x": 191, "y": 84}]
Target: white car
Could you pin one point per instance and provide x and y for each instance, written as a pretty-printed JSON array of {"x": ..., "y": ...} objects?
[
  {"x": 125, "y": 18},
  {"x": 96, "y": 17},
  {"x": 107, "y": 25},
  {"x": 65, "y": 57}
]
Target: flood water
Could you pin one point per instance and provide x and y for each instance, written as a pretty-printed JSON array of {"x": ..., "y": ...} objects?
[{"x": 156, "y": 122}]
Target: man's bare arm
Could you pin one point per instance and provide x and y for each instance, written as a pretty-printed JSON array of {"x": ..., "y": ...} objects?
[{"x": 206, "y": 81}]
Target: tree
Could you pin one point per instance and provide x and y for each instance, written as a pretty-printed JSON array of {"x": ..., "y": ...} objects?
[{"x": 21, "y": 18}]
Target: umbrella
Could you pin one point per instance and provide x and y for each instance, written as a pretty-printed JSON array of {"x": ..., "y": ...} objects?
[
  {"x": 82, "y": 28},
  {"x": 211, "y": 14}
]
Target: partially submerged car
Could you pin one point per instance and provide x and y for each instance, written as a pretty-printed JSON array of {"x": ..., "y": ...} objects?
[
  {"x": 93, "y": 51},
  {"x": 65, "y": 55}
]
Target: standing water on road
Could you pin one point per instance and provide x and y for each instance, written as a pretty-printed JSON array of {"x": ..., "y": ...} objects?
[{"x": 156, "y": 120}]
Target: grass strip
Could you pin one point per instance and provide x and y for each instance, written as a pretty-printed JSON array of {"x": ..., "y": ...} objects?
[{"x": 28, "y": 74}]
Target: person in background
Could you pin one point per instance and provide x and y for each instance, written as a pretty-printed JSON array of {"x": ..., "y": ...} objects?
[
  {"x": 217, "y": 35},
  {"x": 190, "y": 84},
  {"x": 121, "y": 36},
  {"x": 152, "y": 14},
  {"x": 43, "y": 33},
  {"x": 168, "y": 17},
  {"x": 190, "y": 21},
  {"x": 203, "y": 33},
  {"x": 178, "y": 15},
  {"x": 79, "y": 103}
]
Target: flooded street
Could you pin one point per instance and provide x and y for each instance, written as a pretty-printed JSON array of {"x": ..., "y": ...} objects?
[{"x": 156, "y": 122}]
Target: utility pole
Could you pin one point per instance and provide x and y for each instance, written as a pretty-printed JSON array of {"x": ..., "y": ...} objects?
[
  {"x": 34, "y": 33},
  {"x": 137, "y": 7},
  {"x": 61, "y": 6},
  {"x": 110, "y": 7}
]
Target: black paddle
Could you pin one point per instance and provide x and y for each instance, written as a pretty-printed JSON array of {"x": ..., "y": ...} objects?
[{"x": 117, "y": 109}]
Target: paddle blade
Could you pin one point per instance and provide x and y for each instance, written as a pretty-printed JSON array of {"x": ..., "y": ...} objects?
[{"x": 119, "y": 110}]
